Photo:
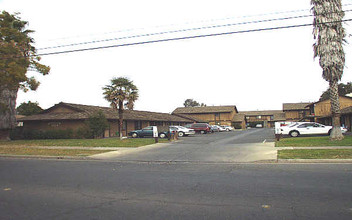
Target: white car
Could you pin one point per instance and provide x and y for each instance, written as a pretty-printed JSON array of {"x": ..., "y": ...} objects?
[
  {"x": 304, "y": 128},
  {"x": 227, "y": 128},
  {"x": 217, "y": 128},
  {"x": 182, "y": 131}
]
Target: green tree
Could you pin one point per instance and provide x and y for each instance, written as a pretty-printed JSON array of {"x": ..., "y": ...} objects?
[
  {"x": 17, "y": 55},
  {"x": 329, "y": 35},
  {"x": 122, "y": 92},
  {"x": 29, "y": 108},
  {"x": 97, "y": 124},
  {"x": 343, "y": 89},
  {"x": 193, "y": 103}
]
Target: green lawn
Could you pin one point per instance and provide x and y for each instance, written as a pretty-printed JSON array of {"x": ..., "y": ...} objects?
[
  {"x": 313, "y": 142},
  {"x": 48, "y": 152},
  {"x": 315, "y": 154},
  {"x": 108, "y": 142}
]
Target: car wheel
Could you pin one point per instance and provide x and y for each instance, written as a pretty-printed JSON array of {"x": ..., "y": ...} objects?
[
  {"x": 134, "y": 135},
  {"x": 162, "y": 135},
  {"x": 181, "y": 134},
  {"x": 329, "y": 132},
  {"x": 294, "y": 133}
]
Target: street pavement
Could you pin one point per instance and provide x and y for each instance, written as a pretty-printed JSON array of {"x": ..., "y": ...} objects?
[
  {"x": 255, "y": 145},
  {"x": 199, "y": 177},
  {"x": 66, "y": 189}
]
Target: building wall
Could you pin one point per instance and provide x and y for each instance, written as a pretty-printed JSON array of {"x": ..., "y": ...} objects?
[
  {"x": 224, "y": 118},
  {"x": 53, "y": 125},
  {"x": 296, "y": 115},
  {"x": 324, "y": 108}
]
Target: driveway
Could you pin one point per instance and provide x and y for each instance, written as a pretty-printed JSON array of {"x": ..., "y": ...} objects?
[{"x": 252, "y": 145}]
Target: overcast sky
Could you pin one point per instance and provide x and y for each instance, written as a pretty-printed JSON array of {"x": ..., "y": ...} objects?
[{"x": 254, "y": 70}]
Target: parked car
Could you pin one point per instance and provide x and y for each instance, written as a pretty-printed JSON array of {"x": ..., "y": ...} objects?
[
  {"x": 227, "y": 128},
  {"x": 147, "y": 132},
  {"x": 215, "y": 128},
  {"x": 202, "y": 128},
  {"x": 182, "y": 131},
  {"x": 307, "y": 128}
]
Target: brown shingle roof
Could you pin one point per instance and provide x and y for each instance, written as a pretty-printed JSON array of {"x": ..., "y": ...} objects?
[
  {"x": 238, "y": 117},
  {"x": 262, "y": 113},
  {"x": 295, "y": 106},
  {"x": 81, "y": 112},
  {"x": 347, "y": 110},
  {"x": 207, "y": 109}
]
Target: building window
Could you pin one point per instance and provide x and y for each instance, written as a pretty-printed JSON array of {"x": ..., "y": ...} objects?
[
  {"x": 137, "y": 125},
  {"x": 54, "y": 124},
  {"x": 156, "y": 123}
]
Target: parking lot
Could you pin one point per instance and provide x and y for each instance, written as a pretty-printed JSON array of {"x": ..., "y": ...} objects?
[{"x": 236, "y": 146}]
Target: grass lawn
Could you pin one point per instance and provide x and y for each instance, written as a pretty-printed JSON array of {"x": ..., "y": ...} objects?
[
  {"x": 107, "y": 142},
  {"x": 47, "y": 152},
  {"x": 313, "y": 142},
  {"x": 315, "y": 154}
]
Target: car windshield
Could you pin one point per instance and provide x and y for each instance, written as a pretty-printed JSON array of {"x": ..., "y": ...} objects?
[{"x": 294, "y": 124}]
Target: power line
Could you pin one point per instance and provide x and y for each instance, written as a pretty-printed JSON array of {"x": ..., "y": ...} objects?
[
  {"x": 202, "y": 21},
  {"x": 180, "y": 31},
  {"x": 181, "y": 38}
]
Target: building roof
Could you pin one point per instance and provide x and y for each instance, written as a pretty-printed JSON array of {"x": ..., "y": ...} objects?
[
  {"x": 238, "y": 117},
  {"x": 206, "y": 109},
  {"x": 341, "y": 96},
  {"x": 262, "y": 113},
  {"x": 81, "y": 112},
  {"x": 295, "y": 106},
  {"x": 347, "y": 110},
  {"x": 278, "y": 115}
]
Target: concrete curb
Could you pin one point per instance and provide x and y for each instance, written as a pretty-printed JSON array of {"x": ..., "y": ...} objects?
[{"x": 314, "y": 161}]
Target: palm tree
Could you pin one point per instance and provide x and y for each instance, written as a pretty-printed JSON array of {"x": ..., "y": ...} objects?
[
  {"x": 329, "y": 35},
  {"x": 122, "y": 92}
]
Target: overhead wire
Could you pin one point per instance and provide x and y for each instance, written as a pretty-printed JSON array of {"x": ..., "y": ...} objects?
[
  {"x": 182, "y": 38},
  {"x": 179, "y": 31},
  {"x": 195, "y": 22}
]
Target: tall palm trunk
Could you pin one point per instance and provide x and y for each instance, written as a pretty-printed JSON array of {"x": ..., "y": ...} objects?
[
  {"x": 120, "y": 119},
  {"x": 7, "y": 111},
  {"x": 336, "y": 133},
  {"x": 329, "y": 34}
]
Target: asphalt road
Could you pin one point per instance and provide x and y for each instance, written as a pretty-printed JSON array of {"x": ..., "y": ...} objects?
[
  {"x": 51, "y": 189},
  {"x": 186, "y": 185},
  {"x": 239, "y": 146}
]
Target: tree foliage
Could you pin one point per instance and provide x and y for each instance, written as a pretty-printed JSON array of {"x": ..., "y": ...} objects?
[
  {"x": 343, "y": 89},
  {"x": 97, "y": 123},
  {"x": 17, "y": 54},
  {"x": 193, "y": 103},
  {"x": 29, "y": 108}
]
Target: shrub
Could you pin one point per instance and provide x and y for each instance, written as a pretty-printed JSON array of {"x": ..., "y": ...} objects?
[
  {"x": 17, "y": 134},
  {"x": 97, "y": 124}
]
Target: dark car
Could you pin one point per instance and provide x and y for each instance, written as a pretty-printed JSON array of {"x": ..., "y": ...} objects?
[
  {"x": 202, "y": 128},
  {"x": 147, "y": 132}
]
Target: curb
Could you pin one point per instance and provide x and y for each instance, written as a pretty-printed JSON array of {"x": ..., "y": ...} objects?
[
  {"x": 347, "y": 161},
  {"x": 45, "y": 157}
]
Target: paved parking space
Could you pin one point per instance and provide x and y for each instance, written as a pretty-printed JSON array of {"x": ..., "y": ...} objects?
[{"x": 238, "y": 146}]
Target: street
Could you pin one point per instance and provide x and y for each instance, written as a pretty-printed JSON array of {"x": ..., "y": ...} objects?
[{"x": 174, "y": 189}]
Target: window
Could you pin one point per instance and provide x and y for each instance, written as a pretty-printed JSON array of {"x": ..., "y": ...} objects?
[
  {"x": 259, "y": 117},
  {"x": 137, "y": 125}
]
